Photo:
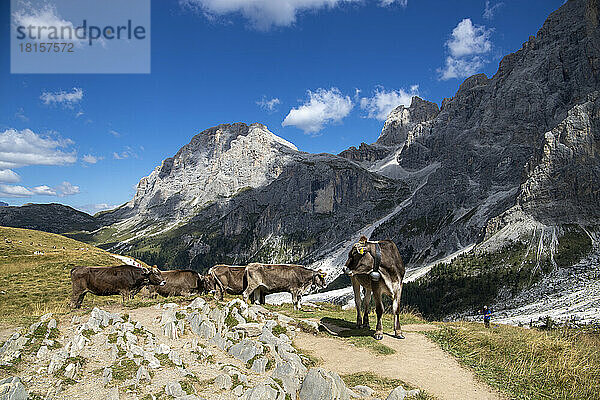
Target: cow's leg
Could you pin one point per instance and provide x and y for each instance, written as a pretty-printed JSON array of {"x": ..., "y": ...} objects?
[
  {"x": 77, "y": 298},
  {"x": 367, "y": 305},
  {"x": 248, "y": 292},
  {"x": 396, "y": 309},
  {"x": 379, "y": 311},
  {"x": 263, "y": 297},
  {"x": 356, "y": 287}
]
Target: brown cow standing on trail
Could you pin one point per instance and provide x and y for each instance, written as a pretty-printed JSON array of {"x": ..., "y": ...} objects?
[
  {"x": 225, "y": 278},
  {"x": 179, "y": 282},
  {"x": 125, "y": 280},
  {"x": 263, "y": 279},
  {"x": 378, "y": 267}
]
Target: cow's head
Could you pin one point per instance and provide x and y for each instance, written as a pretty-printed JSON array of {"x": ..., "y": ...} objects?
[
  {"x": 153, "y": 276},
  {"x": 206, "y": 284},
  {"x": 319, "y": 279},
  {"x": 359, "y": 257}
]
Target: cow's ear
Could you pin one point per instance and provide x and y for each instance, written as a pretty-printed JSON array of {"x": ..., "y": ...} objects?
[
  {"x": 361, "y": 249},
  {"x": 145, "y": 271},
  {"x": 323, "y": 274}
]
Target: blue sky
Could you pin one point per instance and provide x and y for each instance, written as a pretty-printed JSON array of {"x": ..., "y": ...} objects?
[{"x": 329, "y": 70}]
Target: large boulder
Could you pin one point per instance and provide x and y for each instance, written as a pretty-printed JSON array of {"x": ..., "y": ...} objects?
[{"x": 320, "y": 384}]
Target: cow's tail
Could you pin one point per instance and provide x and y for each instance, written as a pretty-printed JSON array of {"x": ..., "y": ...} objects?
[{"x": 217, "y": 281}]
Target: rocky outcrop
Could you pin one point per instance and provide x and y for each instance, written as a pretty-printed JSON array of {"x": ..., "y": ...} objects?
[{"x": 109, "y": 356}]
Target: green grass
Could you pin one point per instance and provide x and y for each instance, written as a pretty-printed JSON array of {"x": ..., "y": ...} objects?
[
  {"x": 382, "y": 386},
  {"x": 124, "y": 369},
  {"x": 527, "y": 363},
  {"x": 34, "y": 285}
]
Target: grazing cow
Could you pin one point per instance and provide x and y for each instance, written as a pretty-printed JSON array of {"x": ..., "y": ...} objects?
[
  {"x": 225, "y": 278},
  {"x": 378, "y": 267},
  {"x": 180, "y": 282},
  {"x": 263, "y": 279},
  {"x": 125, "y": 280}
]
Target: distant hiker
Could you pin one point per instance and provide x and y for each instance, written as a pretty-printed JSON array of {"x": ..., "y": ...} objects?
[{"x": 487, "y": 315}]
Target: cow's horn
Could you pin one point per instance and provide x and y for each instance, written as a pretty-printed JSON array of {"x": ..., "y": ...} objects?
[
  {"x": 145, "y": 270},
  {"x": 363, "y": 239}
]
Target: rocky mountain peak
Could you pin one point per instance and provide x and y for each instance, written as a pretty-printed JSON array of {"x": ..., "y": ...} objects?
[
  {"x": 217, "y": 164},
  {"x": 402, "y": 119}
]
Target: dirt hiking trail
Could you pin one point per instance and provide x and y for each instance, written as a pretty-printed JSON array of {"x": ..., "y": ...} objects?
[{"x": 417, "y": 361}]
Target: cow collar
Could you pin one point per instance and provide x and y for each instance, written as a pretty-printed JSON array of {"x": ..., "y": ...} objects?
[{"x": 375, "y": 275}]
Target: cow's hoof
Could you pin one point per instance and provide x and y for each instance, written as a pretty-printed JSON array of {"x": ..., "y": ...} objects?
[
  {"x": 400, "y": 336},
  {"x": 378, "y": 336}
]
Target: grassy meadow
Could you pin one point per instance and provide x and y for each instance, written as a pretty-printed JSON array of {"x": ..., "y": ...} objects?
[
  {"x": 32, "y": 285},
  {"x": 527, "y": 363}
]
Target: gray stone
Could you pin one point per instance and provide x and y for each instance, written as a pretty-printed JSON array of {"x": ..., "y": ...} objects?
[
  {"x": 399, "y": 393},
  {"x": 238, "y": 390},
  {"x": 142, "y": 374},
  {"x": 107, "y": 375},
  {"x": 198, "y": 303},
  {"x": 207, "y": 329},
  {"x": 170, "y": 330},
  {"x": 223, "y": 381},
  {"x": 319, "y": 384},
  {"x": 245, "y": 350},
  {"x": 260, "y": 392},
  {"x": 12, "y": 389},
  {"x": 363, "y": 390},
  {"x": 251, "y": 329},
  {"x": 174, "y": 389},
  {"x": 259, "y": 365}
]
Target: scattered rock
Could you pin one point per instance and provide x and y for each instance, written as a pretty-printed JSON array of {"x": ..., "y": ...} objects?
[
  {"x": 251, "y": 329},
  {"x": 245, "y": 350},
  {"x": 174, "y": 389},
  {"x": 399, "y": 393},
  {"x": 320, "y": 384},
  {"x": 363, "y": 391},
  {"x": 12, "y": 389},
  {"x": 223, "y": 381},
  {"x": 260, "y": 392}
]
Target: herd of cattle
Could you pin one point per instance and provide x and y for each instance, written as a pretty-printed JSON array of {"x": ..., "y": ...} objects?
[{"x": 375, "y": 266}]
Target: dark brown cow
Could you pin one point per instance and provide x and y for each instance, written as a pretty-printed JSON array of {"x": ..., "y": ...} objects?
[
  {"x": 377, "y": 267},
  {"x": 125, "y": 280},
  {"x": 263, "y": 279},
  {"x": 179, "y": 282},
  {"x": 225, "y": 278}
]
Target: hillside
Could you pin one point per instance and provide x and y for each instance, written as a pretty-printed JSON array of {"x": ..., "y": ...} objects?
[
  {"x": 34, "y": 284},
  {"x": 54, "y": 218}
]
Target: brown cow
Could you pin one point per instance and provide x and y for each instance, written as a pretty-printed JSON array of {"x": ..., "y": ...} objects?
[
  {"x": 125, "y": 280},
  {"x": 263, "y": 279},
  {"x": 378, "y": 267},
  {"x": 179, "y": 282},
  {"x": 225, "y": 278}
]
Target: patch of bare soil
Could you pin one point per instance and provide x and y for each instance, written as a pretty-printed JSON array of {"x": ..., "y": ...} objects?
[{"x": 417, "y": 361}]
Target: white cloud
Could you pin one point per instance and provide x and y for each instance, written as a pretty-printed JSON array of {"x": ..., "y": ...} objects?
[
  {"x": 321, "y": 108},
  {"x": 467, "y": 47},
  {"x": 114, "y": 133},
  {"x": 386, "y": 3},
  {"x": 64, "y": 189},
  {"x": 461, "y": 67},
  {"x": 127, "y": 153},
  {"x": 43, "y": 190},
  {"x": 383, "y": 102},
  {"x": 9, "y": 176},
  {"x": 67, "y": 99},
  {"x": 67, "y": 189},
  {"x": 90, "y": 159},
  {"x": 25, "y": 147},
  {"x": 262, "y": 14},
  {"x": 46, "y": 16},
  {"x": 490, "y": 10},
  {"x": 94, "y": 208},
  {"x": 269, "y": 105},
  {"x": 14, "y": 191}
]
